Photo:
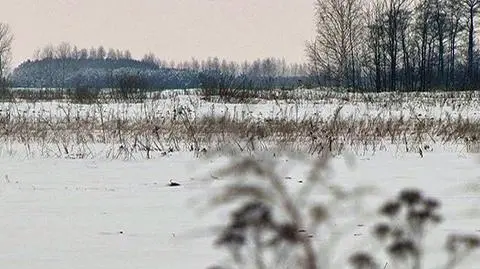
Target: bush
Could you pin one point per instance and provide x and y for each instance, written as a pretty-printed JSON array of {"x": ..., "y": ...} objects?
[
  {"x": 5, "y": 92},
  {"x": 39, "y": 95},
  {"x": 225, "y": 87},
  {"x": 84, "y": 95},
  {"x": 131, "y": 88}
]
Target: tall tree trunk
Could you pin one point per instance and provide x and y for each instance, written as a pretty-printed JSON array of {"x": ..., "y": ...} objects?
[
  {"x": 423, "y": 57},
  {"x": 453, "y": 43},
  {"x": 429, "y": 66},
  {"x": 352, "y": 55},
  {"x": 406, "y": 63},
  {"x": 441, "y": 51},
  {"x": 470, "y": 47}
]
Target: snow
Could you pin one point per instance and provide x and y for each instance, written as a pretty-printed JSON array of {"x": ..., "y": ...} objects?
[
  {"x": 70, "y": 214},
  {"x": 59, "y": 213},
  {"x": 103, "y": 213},
  {"x": 433, "y": 106}
]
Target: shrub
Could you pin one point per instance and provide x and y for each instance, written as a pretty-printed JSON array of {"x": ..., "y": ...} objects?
[
  {"x": 131, "y": 88},
  {"x": 84, "y": 95}
]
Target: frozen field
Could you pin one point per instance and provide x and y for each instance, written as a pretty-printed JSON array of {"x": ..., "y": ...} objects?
[
  {"x": 74, "y": 202},
  {"x": 323, "y": 105},
  {"x": 57, "y": 213}
]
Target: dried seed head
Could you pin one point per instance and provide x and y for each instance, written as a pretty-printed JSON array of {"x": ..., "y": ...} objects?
[
  {"x": 381, "y": 230},
  {"x": 431, "y": 203},
  {"x": 456, "y": 241},
  {"x": 396, "y": 250},
  {"x": 471, "y": 241},
  {"x": 289, "y": 232},
  {"x": 390, "y": 209},
  {"x": 319, "y": 213},
  {"x": 410, "y": 247},
  {"x": 418, "y": 217},
  {"x": 231, "y": 237},
  {"x": 398, "y": 233},
  {"x": 401, "y": 249},
  {"x": 362, "y": 260},
  {"x": 410, "y": 196},
  {"x": 436, "y": 218},
  {"x": 452, "y": 243},
  {"x": 238, "y": 224}
]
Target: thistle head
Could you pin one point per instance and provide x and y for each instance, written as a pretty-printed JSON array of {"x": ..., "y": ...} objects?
[
  {"x": 390, "y": 209},
  {"x": 362, "y": 260},
  {"x": 410, "y": 196}
]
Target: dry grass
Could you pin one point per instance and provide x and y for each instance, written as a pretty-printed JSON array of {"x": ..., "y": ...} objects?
[{"x": 149, "y": 133}]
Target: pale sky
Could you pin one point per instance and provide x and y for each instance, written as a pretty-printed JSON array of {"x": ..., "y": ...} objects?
[{"x": 172, "y": 29}]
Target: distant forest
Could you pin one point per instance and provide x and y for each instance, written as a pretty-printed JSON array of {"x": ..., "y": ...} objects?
[
  {"x": 68, "y": 67},
  {"x": 396, "y": 45}
]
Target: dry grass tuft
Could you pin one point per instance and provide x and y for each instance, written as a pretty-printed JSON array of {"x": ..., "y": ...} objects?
[{"x": 150, "y": 130}]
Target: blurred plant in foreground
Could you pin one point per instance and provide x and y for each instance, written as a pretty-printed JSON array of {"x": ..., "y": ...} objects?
[
  {"x": 275, "y": 224},
  {"x": 409, "y": 218}
]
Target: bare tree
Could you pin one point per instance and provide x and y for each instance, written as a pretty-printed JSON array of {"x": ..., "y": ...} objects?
[
  {"x": 101, "y": 54},
  {"x": 195, "y": 65},
  {"x": 454, "y": 15},
  {"x": 75, "y": 54},
  {"x": 472, "y": 7},
  {"x": 376, "y": 43},
  {"x": 394, "y": 11},
  {"x": 48, "y": 52},
  {"x": 37, "y": 54},
  {"x": 119, "y": 54},
  {"x": 112, "y": 54},
  {"x": 63, "y": 53},
  {"x": 339, "y": 28},
  {"x": 149, "y": 58},
  {"x": 440, "y": 18},
  {"x": 425, "y": 37},
  {"x": 92, "y": 53},
  {"x": 6, "y": 38},
  {"x": 317, "y": 67},
  {"x": 127, "y": 55},
  {"x": 83, "y": 54},
  {"x": 396, "y": 44}
]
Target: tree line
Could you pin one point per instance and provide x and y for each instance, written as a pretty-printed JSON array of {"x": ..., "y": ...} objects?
[
  {"x": 260, "y": 67},
  {"x": 396, "y": 44},
  {"x": 261, "y": 74},
  {"x": 65, "y": 50},
  {"x": 266, "y": 66},
  {"x": 359, "y": 44},
  {"x": 66, "y": 66}
]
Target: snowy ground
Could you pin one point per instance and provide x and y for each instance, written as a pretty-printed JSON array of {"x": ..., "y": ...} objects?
[
  {"x": 356, "y": 106},
  {"x": 102, "y": 213},
  {"x": 57, "y": 213}
]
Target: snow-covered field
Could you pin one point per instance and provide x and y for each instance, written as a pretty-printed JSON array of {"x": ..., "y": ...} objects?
[
  {"x": 57, "y": 213},
  {"x": 355, "y": 106},
  {"x": 109, "y": 213}
]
